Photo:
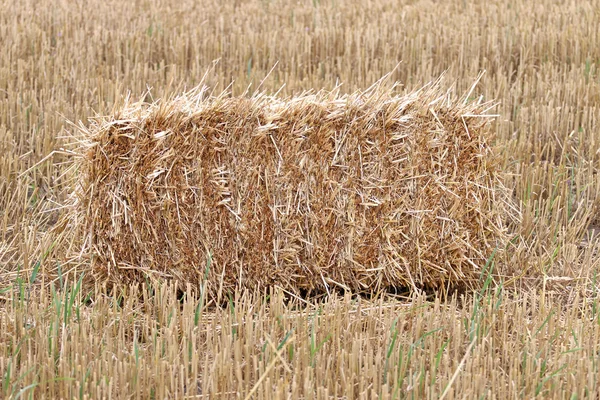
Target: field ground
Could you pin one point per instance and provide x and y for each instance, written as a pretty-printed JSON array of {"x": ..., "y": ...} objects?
[{"x": 531, "y": 332}]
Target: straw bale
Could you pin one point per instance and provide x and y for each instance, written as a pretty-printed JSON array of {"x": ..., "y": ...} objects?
[{"x": 318, "y": 191}]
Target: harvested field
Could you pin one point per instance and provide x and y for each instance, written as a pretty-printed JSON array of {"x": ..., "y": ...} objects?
[{"x": 526, "y": 324}]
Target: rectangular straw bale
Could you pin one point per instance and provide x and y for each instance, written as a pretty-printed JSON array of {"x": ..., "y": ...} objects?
[{"x": 359, "y": 191}]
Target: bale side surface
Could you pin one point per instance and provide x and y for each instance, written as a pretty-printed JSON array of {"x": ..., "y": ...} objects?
[{"x": 359, "y": 192}]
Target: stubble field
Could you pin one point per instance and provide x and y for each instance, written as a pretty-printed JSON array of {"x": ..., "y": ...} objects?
[{"x": 530, "y": 330}]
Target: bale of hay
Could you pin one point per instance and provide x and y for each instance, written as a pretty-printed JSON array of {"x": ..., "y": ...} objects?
[{"x": 357, "y": 191}]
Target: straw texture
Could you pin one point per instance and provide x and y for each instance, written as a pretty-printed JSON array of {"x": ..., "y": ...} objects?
[{"x": 313, "y": 192}]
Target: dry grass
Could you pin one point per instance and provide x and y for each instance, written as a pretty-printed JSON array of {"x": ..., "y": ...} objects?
[
  {"x": 488, "y": 346},
  {"x": 536, "y": 335}
]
